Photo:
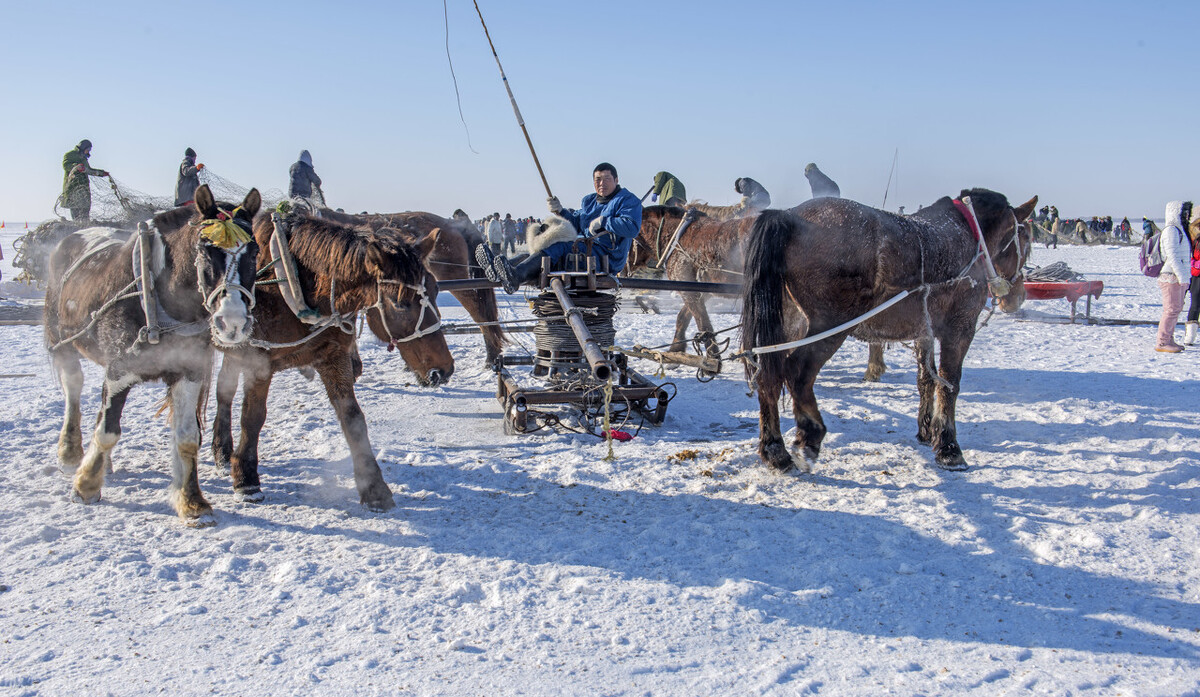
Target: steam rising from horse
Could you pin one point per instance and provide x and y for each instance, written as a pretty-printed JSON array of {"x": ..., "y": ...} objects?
[
  {"x": 829, "y": 261},
  {"x": 204, "y": 293}
]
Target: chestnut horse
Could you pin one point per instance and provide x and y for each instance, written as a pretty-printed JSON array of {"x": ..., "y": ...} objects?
[
  {"x": 829, "y": 261},
  {"x": 95, "y": 307},
  {"x": 451, "y": 258},
  {"x": 708, "y": 250},
  {"x": 342, "y": 271}
]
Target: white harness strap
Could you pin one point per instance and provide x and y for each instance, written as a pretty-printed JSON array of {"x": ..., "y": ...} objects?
[
  {"x": 231, "y": 280},
  {"x": 289, "y": 275},
  {"x": 417, "y": 332}
]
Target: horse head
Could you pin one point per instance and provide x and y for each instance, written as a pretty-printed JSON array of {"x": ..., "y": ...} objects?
[
  {"x": 226, "y": 258},
  {"x": 405, "y": 313},
  {"x": 1010, "y": 260},
  {"x": 1008, "y": 239}
]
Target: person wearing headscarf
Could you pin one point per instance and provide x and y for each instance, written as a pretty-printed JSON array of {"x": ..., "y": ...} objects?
[
  {"x": 821, "y": 184},
  {"x": 189, "y": 178},
  {"x": 668, "y": 190},
  {"x": 77, "y": 188},
  {"x": 304, "y": 182},
  {"x": 1176, "y": 272}
]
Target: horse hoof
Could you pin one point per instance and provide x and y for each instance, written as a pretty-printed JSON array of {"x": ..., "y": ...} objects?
[
  {"x": 379, "y": 503},
  {"x": 250, "y": 495},
  {"x": 778, "y": 458},
  {"x": 953, "y": 462},
  {"x": 85, "y": 499},
  {"x": 203, "y": 520}
]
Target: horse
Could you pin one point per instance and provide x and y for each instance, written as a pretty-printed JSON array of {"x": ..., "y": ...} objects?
[
  {"x": 341, "y": 271},
  {"x": 452, "y": 258},
  {"x": 708, "y": 250},
  {"x": 1009, "y": 303},
  {"x": 95, "y": 307},
  {"x": 834, "y": 260}
]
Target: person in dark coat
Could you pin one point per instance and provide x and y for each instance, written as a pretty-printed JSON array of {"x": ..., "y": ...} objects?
[
  {"x": 304, "y": 180},
  {"x": 821, "y": 184},
  {"x": 77, "y": 189},
  {"x": 188, "y": 180},
  {"x": 754, "y": 195}
]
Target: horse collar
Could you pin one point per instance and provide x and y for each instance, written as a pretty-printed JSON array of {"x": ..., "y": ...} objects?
[{"x": 967, "y": 213}]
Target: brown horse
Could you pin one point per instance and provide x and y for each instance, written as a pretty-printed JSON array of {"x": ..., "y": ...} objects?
[
  {"x": 452, "y": 258},
  {"x": 828, "y": 262},
  {"x": 96, "y": 308},
  {"x": 708, "y": 250},
  {"x": 342, "y": 271}
]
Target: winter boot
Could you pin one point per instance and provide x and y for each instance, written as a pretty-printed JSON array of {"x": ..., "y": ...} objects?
[
  {"x": 1189, "y": 333},
  {"x": 511, "y": 277},
  {"x": 487, "y": 261}
]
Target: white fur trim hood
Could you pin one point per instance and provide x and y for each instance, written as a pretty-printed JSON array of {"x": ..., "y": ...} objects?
[
  {"x": 1174, "y": 246},
  {"x": 554, "y": 228}
]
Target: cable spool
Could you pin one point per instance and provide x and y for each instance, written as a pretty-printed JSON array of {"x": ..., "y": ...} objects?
[{"x": 557, "y": 348}]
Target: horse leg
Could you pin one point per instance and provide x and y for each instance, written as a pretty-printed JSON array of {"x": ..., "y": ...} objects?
[
  {"x": 185, "y": 493},
  {"x": 70, "y": 439},
  {"x": 925, "y": 388},
  {"x": 476, "y": 305},
  {"x": 222, "y": 429},
  {"x": 947, "y": 453},
  {"x": 875, "y": 365},
  {"x": 803, "y": 368},
  {"x": 770, "y": 439},
  {"x": 682, "y": 321},
  {"x": 697, "y": 304},
  {"x": 97, "y": 461},
  {"x": 243, "y": 466},
  {"x": 373, "y": 492}
]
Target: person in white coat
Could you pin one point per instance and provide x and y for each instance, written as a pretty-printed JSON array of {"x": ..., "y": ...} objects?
[
  {"x": 494, "y": 232},
  {"x": 1176, "y": 250}
]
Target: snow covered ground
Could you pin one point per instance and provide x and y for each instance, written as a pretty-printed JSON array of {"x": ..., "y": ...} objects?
[{"x": 1064, "y": 562}]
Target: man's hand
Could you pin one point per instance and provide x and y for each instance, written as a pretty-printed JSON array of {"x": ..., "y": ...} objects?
[
  {"x": 200, "y": 166},
  {"x": 553, "y": 204},
  {"x": 596, "y": 226},
  {"x": 104, "y": 173}
]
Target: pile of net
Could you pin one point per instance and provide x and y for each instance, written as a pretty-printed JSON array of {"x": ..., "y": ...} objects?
[
  {"x": 114, "y": 204},
  {"x": 1058, "y": 272}
]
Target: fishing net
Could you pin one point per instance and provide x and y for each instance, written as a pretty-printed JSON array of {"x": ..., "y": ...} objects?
[{"x": 114, "y": 204}]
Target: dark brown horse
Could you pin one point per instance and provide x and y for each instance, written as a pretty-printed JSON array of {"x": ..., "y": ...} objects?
[
  {"x": 452, "y": 258},
  {"x": 708, "y": 250},
  {"x": 828, "y": 262},
  {"x": 95, "y": 308},
  {"x": 342, "y": 271}
]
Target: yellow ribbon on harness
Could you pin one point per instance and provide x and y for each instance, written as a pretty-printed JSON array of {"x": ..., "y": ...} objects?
[{"x": 223, "y": 232}]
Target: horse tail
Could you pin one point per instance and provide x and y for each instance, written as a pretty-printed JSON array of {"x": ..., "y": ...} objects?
[{"x": 762, "y": 290}]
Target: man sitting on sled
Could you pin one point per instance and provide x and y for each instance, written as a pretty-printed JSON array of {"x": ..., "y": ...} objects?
[{"x": 611, "y": 217}]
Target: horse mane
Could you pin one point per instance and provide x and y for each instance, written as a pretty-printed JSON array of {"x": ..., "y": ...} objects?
[
  {"x": 721, "y": 213},
  {"x": 347, "y": 254},
  {"x": 989, "y": 205},
  {"x": 175, "y": 218}
]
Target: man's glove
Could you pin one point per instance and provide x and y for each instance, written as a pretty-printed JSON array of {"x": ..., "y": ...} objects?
[
  {"x": 596, "y": 226},
  {"x": 553, "y": 204},
  {"x": 104, "y": 173},
  {"x": 200, "y": 166}
]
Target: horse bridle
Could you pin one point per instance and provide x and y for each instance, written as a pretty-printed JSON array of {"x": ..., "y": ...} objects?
[
  {"x": 231, "y": 279},
  {"x": 426, "y": 304}
]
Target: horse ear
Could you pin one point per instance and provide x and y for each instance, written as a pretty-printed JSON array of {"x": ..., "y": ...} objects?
[
  {"x": 252, "y": 203},
  {"x": 427, "y": 243},
  {"x": 1026, "y": 209},
  {"x": 204, "y": 202}
]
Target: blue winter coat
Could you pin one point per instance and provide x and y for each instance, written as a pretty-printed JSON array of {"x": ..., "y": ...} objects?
[{"x": 621, "y": 219}]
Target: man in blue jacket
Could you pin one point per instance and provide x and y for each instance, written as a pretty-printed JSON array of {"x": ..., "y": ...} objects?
[{"x": 611, "y": 217}]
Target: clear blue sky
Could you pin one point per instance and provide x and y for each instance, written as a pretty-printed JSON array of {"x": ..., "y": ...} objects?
[{"x": 1088, "y": 104}]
